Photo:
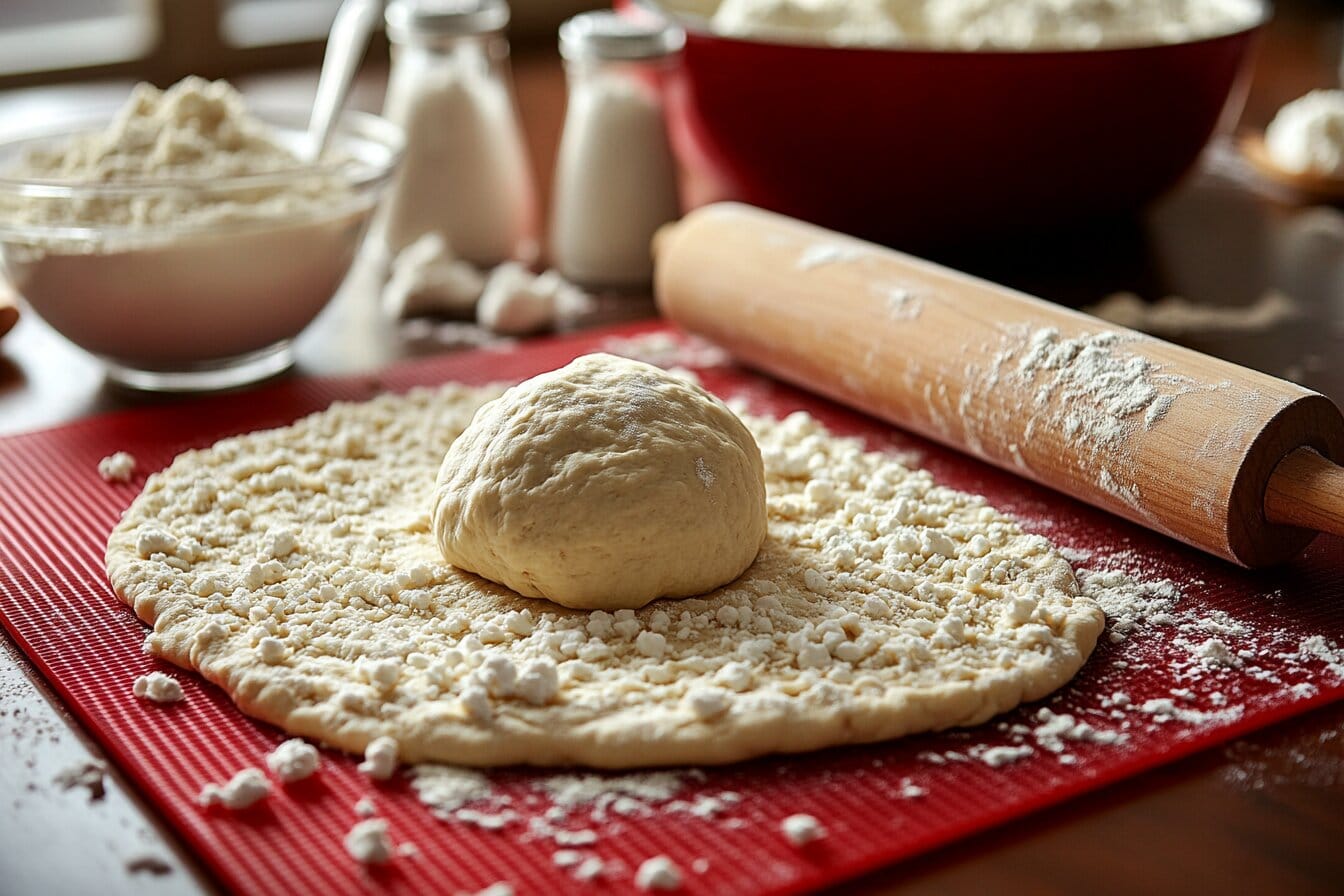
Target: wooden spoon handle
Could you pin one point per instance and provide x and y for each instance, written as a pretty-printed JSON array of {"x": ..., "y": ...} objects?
[{"x": 1307, "y": 491}]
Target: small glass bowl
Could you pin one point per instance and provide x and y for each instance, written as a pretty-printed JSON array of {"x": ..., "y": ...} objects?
[{"x": 195, "y": 304}]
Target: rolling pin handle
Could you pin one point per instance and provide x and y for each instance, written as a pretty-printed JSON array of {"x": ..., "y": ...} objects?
[{"x": 1307, "y": 491}]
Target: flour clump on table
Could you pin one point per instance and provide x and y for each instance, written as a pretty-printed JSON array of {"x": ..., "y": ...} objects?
[
  {"x": 605, "y": 484},
  {"x": 1307, "y": 135},
  {"x": 881, "y": 604}
]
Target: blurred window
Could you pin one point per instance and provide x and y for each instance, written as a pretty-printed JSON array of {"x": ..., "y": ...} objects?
[
  {"x": 259, "y": 23},
  {"x": 45, "y": 41},
  {"x": 48, "y": 35}
]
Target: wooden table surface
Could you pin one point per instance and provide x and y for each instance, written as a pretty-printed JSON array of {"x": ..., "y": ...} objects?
[{"x": 1262, "y": 815}]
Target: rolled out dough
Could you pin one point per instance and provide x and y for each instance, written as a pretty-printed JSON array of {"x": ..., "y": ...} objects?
[{"x": 296, "y": 568}]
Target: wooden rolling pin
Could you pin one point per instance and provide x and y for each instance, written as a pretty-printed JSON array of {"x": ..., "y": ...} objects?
[{"x": 1221, "y": 457}]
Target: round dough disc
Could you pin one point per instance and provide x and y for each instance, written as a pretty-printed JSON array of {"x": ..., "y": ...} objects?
[{"x": 296, "y": 568}]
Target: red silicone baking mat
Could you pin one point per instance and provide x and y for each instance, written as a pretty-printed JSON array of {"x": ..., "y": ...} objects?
[{"x": 1210, "y": 653}]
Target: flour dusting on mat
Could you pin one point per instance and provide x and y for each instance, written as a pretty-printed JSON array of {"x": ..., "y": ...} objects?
[
  {"x": 666, "y": 350},
  {"x": 445, "y": 789}
]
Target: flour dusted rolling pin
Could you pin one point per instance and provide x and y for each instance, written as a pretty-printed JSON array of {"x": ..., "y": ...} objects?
[{"x": 1223, "y": 458}]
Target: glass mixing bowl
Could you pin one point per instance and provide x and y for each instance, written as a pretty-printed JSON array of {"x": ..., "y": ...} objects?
[{"x": 210, "y": 294}]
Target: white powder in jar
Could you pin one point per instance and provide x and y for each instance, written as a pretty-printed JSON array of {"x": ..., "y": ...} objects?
[
  {"x": 464, "y": 175},
  {"x": 616, "y": 183},
  {"x": 976, "y": 24}
]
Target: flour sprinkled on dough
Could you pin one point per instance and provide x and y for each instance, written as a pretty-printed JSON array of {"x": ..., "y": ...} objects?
[{"x": 881, "y": 604}]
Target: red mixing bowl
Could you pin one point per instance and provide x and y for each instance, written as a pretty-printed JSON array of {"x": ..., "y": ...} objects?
[{"x": 917, "y": 147}]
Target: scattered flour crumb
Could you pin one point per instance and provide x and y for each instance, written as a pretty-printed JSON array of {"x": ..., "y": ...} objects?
[
  {"x": 997, "y": 757},
  {"x": 486, "y": 821},
  {"x": 365, "y": 808},
  {"x": 368, "y": 843},
  {"x": 658, "y": 873},
  {"x": 1056, "y": 728},
  {"x": 1164, "y": 709},
  {"x": 245, "y": 788},
  {"x": 1129, "y": 603},
  {"x": 589, "y": 869},
  {"x": 1216, "y": 654},
  {"x": 293, "y": 760},
  {"x": 1316, "y": 647},
  {"x": 158, "y": 688},
  {"x": 380, "y": 758},
  {"x": 802, "y": 829},
  {"x": 119, "y": 467},
  {"x": 624, "y": 794},
  {"x": 912, "y": 791},
  {"x": 496, "y": 889}
]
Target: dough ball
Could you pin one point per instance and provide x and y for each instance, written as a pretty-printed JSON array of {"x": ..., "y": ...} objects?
[{"x": 605, "y": 484}]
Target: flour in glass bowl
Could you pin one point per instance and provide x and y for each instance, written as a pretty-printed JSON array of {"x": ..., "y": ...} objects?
[
  {"x": 196, "y": 129},
  {"x": 167, "y": 236},
  {"x": 977, "y": 24}
]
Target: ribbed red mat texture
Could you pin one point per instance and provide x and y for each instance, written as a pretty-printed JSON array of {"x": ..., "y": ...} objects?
[{"x": 1148, "y": 698}]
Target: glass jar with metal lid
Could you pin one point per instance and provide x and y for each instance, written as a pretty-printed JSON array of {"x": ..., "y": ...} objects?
[
  {"x": 616, "y": 178},
  {"x": 465, "y": 174}
]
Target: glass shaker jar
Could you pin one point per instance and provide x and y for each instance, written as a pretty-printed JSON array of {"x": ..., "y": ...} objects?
[
  {"x": 616, "y": 178},
  {"x": 465, "y": 175}
]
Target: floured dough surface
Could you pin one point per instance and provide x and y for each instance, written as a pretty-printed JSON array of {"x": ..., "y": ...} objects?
[
  {"x": 605, "y": 484},
  {"x": 296, "y": 568}
]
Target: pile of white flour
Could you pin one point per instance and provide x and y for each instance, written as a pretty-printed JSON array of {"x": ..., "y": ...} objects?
[
  {"x": 977, "y": 24},
  {"x": 195, "y": 130}
]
